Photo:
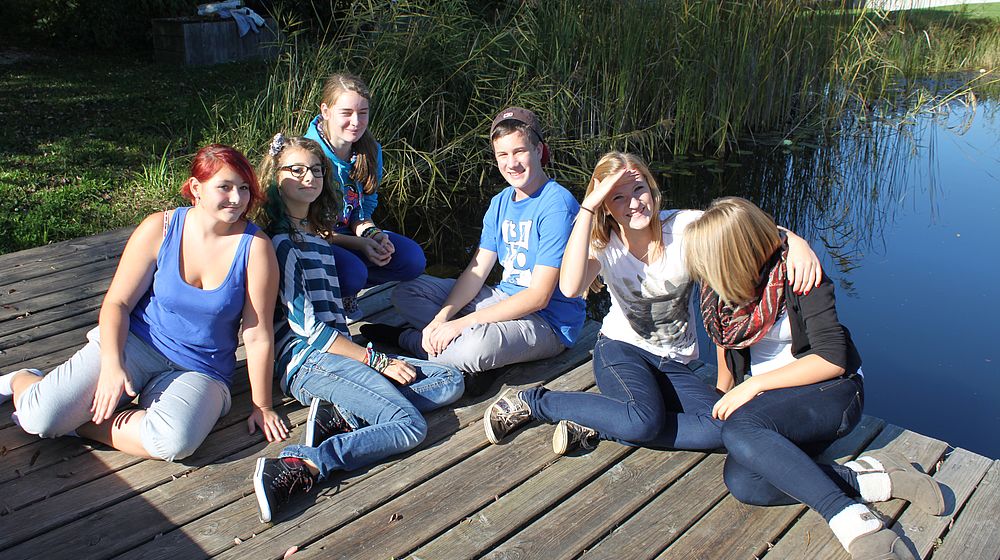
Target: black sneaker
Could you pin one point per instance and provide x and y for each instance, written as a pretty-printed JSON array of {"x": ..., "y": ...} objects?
[
  {"x": 381, "y": 333},
  {"x": 505, "y": 414},
  {"x": 275, "y": 480},
  {"x": 324, "y": 421},
  {"x": 570, "y": 435}
]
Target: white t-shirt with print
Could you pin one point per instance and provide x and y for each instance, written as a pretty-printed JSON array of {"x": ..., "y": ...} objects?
[{"x": 651, "y": 305}]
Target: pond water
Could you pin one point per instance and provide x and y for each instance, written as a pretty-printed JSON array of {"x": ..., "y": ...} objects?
[
  {"x": 906, "y": 217},
  {"x": 905, "y": 214}
]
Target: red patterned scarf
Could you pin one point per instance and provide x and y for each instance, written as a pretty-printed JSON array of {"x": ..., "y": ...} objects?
[{"x": 740, "y": 327}]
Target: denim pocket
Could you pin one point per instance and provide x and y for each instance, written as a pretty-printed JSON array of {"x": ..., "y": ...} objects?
[{"x": 851, "y": 416}]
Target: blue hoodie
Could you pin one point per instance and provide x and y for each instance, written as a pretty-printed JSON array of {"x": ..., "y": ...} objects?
[{"x": 358, "y": 206}]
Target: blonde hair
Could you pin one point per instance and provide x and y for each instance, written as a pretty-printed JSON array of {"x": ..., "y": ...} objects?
[
  {"x": 323, "y": 212},
  {"x": 727, "y": 247},
  {"x": 609, "y": 164},
  {"x": 364, "y": 171}
]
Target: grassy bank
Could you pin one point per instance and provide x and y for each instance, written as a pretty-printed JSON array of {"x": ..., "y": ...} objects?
[{"x": 90, "y": 143}]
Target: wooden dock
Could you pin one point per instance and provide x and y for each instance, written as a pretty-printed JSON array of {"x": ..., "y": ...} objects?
[{"x": 456, "y": 496}]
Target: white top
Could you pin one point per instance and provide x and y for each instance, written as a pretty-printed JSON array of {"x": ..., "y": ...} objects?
[
  {"x": 774, "y": 349},
  {"x": 652, "y": 305}
]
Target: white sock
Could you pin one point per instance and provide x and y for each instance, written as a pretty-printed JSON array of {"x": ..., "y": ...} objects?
[
  {"x": 865, "y": 464},
  {"x": 6, "y": 391},
  {"x": 875, "y": 486},
  {"x": 853, "y": 522}
]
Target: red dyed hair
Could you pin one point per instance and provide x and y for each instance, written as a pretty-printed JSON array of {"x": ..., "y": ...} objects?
[{"x": 210, "y": 159}]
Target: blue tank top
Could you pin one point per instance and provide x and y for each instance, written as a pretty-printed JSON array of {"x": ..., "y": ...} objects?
[{"x": 194, "y": 328}]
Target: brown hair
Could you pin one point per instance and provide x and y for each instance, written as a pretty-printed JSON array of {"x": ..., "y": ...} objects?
[
  {"x": 365, "y": 169},
  {"x": 727, "y": 247},
  {"x": 323, "y": 212}
]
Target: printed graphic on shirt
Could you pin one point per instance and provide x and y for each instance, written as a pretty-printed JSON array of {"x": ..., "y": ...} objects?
[
  {"x": 515, "y": 263},
  {"x": 658, "y": 312},
  {"x": 351, "y": 197}
]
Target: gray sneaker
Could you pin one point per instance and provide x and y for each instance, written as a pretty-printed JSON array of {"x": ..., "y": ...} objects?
[
  {"x": 505, "y": 414},
  {"x": 570, "y": 435}
]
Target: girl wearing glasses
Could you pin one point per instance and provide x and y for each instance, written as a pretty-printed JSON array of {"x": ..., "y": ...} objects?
[
  {"x": 187, "y": 280},
  {"x": 366, "y": 255},
  {"x": 364, "y": 405}
]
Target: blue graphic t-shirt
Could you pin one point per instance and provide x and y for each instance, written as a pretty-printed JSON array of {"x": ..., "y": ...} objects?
[{"x": 530, "y": 232}]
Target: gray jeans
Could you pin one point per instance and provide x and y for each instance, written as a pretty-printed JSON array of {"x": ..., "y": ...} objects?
[
  {"x": 480, "y": 347},
  {"x": 181, "y": 406}
]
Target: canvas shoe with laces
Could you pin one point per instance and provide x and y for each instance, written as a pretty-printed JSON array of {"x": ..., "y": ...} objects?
[
  {"x": 324, "y": 421},
  {"x": 570, "y": 435},
  {"x": 276, "y": 480},
  {"x": 505, "y": 415}
]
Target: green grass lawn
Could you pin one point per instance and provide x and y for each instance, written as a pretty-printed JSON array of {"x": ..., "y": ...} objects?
[
  {"x": 989, "y": 10},
  {"x": 76, "y": 130}
]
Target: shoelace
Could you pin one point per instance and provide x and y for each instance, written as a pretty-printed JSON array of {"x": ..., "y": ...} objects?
[
  {"x": 509, "y": 415},
  {"x": 290, "y": 478}
]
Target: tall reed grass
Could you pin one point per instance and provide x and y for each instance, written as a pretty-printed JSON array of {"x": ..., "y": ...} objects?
[{"x": 658, "y": 78}]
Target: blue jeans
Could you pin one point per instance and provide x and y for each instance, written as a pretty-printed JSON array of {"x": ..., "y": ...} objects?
[
  {"x": 355, "y": 271},
  {"x": 385, "y": 417},
  {"x": 645, "y": 400},
  {"x": 771, "y": 441}
]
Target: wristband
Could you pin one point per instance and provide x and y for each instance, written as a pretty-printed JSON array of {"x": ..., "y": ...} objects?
[
  {"x": 370, "y": 232},
  {"x": 376, "y": 360},
  {"x": 592, "y": 213}
]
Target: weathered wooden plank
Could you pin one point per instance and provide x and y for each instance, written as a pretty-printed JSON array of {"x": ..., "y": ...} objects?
[
  {"x": 960, "y": 473},
  {"x": 976, "y": 533},
  {"x": 595, "y": 509},
  {"x": 300, "y": 522},
  {"x": 65, "y": 255},
  {"x": 396, "y": 527},
  {"x": 667, "y": 516},
  {"x": 811, "y": 537},
  {"x": 35, "y": 326},
  {"x": 736, "y": 530},
  {"x": 164, "y": 495},
  {"x": 54, "y": 289},
  {"x": 477, "y": 533}
]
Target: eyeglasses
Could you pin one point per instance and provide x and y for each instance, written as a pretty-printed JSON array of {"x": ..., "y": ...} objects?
[{"x": 299, "y": 171}]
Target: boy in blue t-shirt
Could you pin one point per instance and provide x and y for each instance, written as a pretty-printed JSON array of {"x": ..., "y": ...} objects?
[{"x": 475, "y": 327}]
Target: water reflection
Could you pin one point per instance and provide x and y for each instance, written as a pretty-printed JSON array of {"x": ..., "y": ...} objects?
[{"x": 905, "y": 213}]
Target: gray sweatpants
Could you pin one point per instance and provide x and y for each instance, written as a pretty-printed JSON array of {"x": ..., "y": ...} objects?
[
  {"x": 480, "y": 347},
  {"x": 181, "y": 406}
]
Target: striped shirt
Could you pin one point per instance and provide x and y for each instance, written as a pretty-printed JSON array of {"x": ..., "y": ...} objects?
[{"x": 310, "y": 314}]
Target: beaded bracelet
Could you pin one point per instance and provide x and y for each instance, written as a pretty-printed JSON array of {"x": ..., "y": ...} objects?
[
  {"x": 376, "y": 360},
  {"x": 370, "y": 232}
]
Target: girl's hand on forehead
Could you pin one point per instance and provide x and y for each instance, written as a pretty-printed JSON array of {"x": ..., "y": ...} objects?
[{"x": 602, "y": 188}]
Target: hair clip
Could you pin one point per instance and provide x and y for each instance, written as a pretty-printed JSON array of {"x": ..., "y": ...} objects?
[{"x": 277, "y": 144}]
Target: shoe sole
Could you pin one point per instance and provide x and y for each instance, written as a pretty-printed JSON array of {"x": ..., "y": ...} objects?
[
  {"x": 487, "y": 426},
  {"x": 258, "y": 490},
  {"x": 309, "y": 438},
  {"x": 560, "y": 438}
]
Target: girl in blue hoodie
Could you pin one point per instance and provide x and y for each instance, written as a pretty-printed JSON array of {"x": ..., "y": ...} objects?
[{"x": 365, "y": 254}]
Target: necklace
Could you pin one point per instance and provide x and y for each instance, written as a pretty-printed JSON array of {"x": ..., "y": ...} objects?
[{"x": 301, "y": 221}]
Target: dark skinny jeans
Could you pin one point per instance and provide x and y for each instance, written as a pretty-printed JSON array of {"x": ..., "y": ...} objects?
[
  {"x": 645, "y": 400},
  {"x": 772, "y": 440}
]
